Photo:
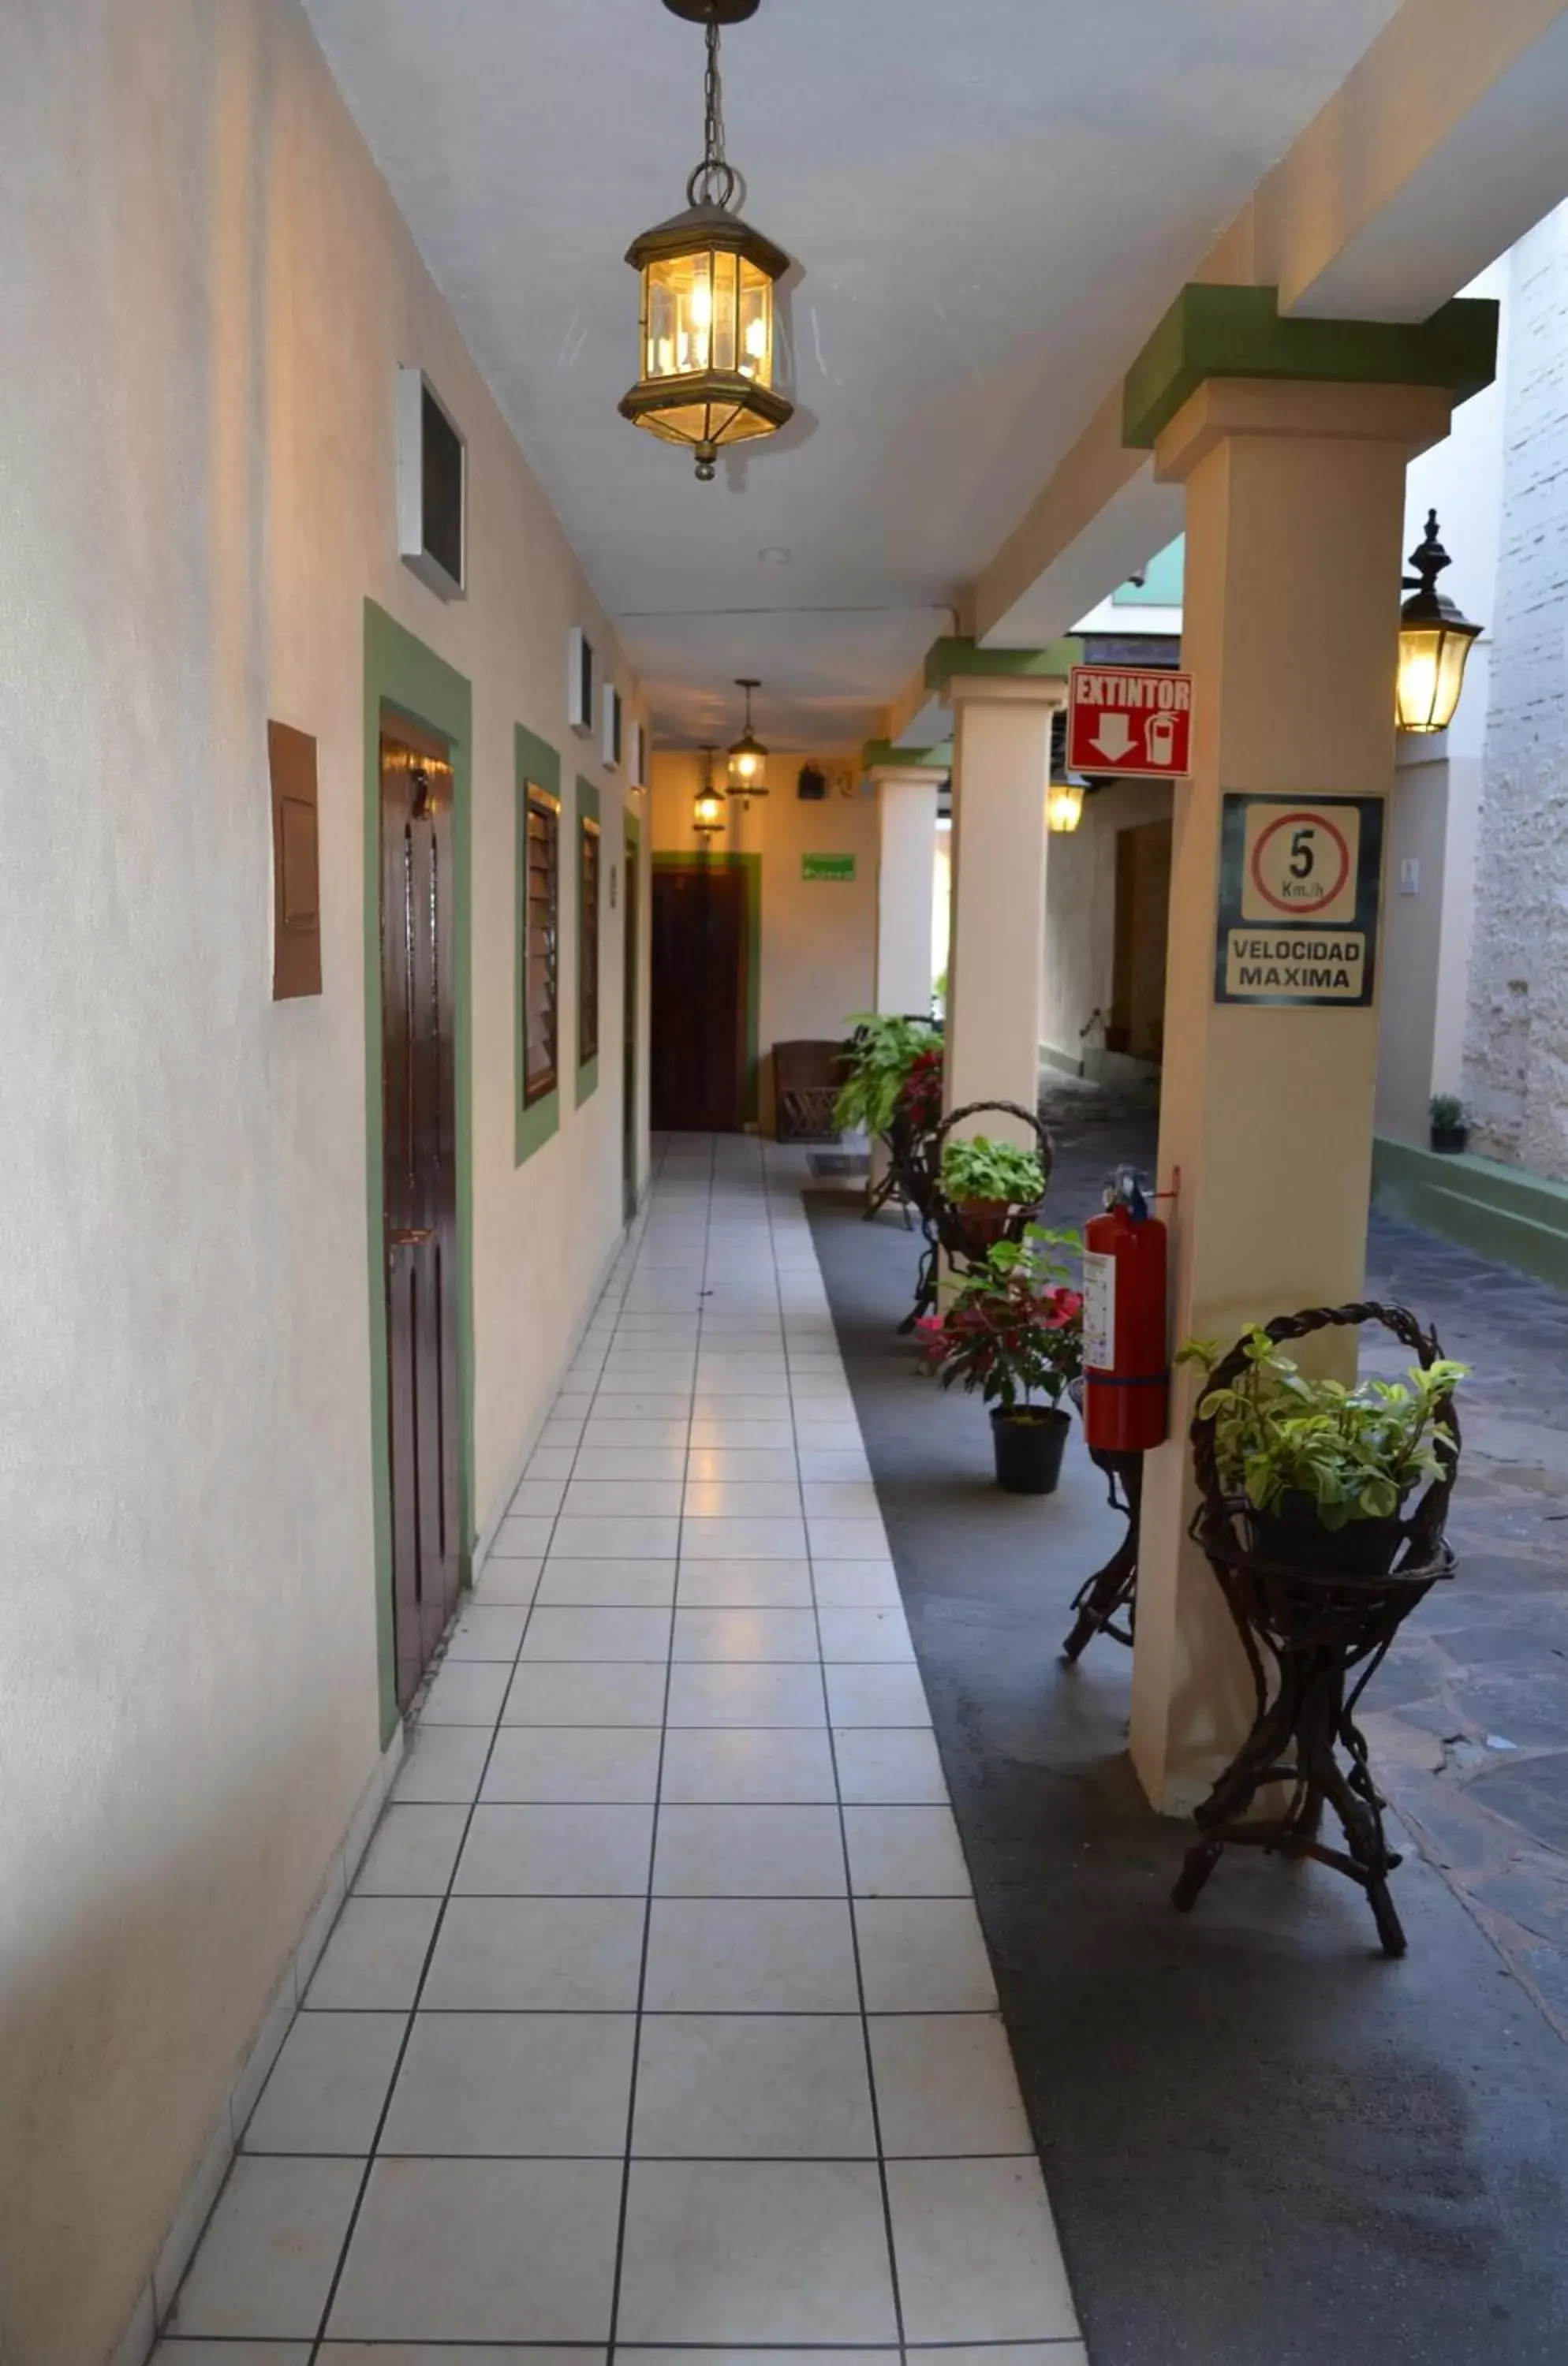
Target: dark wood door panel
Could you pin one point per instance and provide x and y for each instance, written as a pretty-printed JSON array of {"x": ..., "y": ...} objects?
[
  {"x": 420, "y": 1190},
  {"x": 699, "y": 955}
]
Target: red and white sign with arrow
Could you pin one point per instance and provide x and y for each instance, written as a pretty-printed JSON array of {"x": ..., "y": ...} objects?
[{"x": 1130, "y": 719}]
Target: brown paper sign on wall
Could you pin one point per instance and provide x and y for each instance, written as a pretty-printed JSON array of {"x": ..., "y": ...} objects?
[{"x": 296, "y": 863}]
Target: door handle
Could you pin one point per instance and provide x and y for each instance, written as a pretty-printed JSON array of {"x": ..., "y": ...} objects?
[{"x": 417, "y": 1236}]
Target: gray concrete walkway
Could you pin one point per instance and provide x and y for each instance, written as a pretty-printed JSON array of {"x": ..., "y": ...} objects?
[{"x": 1266, "y": 2144}]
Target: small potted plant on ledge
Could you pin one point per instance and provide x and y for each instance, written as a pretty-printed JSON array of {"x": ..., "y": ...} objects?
[
  {"x": 1014, "y": 1332},
  {"x": 1322, "y": 1471},
  {"x": 987, "y": 1182},
  {"x": 1449, "y": 1131}
]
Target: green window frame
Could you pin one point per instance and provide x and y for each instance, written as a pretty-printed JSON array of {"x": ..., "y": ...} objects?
[
  {"x": 590, "y": 937},
  {"x": 541, "y": 944},
  {"x": 537, "y": 984}
]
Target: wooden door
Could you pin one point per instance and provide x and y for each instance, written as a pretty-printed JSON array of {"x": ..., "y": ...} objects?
[
  {"x": 420, "y": 1190},
  {"x": 698, "y": 1055},
  {"x": 630, "y": 884},
  {"x": 1143, "y": 925}
]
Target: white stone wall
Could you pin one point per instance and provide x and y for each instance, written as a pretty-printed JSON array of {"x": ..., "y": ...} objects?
[{"x": 1516, "y": 1075}]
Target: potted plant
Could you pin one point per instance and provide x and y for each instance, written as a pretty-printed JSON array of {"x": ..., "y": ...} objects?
[
  {"x": 985, "y": 1181},
  {"x": 883, "y": 1050},
  {"x": 1323, "y": 1471},
  {"x": 1014, "y": 1332},
  {"x": 1449, "y": 1131}
]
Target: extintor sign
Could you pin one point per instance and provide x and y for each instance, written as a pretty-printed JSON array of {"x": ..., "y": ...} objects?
[{"x": 1130, "y": 719}]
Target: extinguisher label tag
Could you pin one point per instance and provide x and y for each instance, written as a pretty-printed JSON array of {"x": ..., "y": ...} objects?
[{"x": 1098, "y": 1310}]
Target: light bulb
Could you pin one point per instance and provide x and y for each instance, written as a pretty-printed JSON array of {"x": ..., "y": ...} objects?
[
  {"x": 702, "y": 304},
  {"x": 745, "y": 766},
  {"x": 757, "y": 338}
]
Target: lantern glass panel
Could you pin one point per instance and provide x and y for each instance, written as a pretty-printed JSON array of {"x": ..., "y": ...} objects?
[
  {"x": 1431, "y": 674},
  {"x": 1064, "y": 806},
  {"x": 756, "y": 320}
]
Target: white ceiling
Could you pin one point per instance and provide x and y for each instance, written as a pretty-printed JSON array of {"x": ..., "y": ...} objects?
[{"x": 989, "y": 202}]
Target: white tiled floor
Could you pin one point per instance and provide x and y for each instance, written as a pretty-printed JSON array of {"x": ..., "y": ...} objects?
[{"x": 660, "y": 2015}]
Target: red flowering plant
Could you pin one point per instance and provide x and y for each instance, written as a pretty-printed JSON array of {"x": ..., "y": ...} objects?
[
  {"x": 920, "y": 1100},
  {"x": 1014, "y": 1329}
]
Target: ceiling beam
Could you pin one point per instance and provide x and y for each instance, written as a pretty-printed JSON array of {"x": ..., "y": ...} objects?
[{"x": 1442, "y": 146}]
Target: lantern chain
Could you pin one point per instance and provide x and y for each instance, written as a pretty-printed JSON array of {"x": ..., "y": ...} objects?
[{"x": 714, "y": 181}]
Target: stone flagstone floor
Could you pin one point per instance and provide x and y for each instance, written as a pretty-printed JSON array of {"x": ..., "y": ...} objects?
[{"x": 660, "y": 2015}]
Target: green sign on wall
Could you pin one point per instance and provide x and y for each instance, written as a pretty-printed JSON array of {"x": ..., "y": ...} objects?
[{"x": 827, "y": 866}]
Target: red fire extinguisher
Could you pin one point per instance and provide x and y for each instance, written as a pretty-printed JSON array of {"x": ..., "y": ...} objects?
[{"x": 1127, "y": 1359}]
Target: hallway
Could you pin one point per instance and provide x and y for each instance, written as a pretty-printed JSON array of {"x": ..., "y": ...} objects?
[{"x": 659, "y": 2012}]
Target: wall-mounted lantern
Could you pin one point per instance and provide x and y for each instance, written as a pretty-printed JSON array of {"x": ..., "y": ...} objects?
[
  {"x": 1434, "y": 642},
  {"x": 1064, "y": 805},
  {"x": 748, "y": 757},
  {"x": 708, "y": 811},
  {"x": 708, "y": 296}
]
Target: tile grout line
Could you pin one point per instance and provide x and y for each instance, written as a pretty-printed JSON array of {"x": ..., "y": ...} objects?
[
  {"x": 843, "y": 1839},
  {"x": 374, "y": 2152},
  {"x": 616, "y": 2284}
]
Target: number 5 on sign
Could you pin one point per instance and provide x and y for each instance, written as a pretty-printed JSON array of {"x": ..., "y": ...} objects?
[{"x": 1299, "y": 863}]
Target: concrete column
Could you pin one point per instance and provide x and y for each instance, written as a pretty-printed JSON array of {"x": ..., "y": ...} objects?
[
  {"x": 906, "y": 878},
  {"x": 1294, "y": 541},
  {"x": 1001, "y": 765}
]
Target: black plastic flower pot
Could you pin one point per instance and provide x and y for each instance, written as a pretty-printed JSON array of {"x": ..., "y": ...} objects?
[
  {"x": 1029, "y": 1444},
  {"x": 1293, "y": 1537},
  {"x": 1450, "y": 1139}
]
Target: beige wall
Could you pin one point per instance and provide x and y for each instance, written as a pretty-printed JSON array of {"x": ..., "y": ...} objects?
[
  {"x": 212, "y": 291},
  {"x": 1411, "y": 954},
  {"x": 818, "y": 956},
  {"x": 1080, "y": 911}
]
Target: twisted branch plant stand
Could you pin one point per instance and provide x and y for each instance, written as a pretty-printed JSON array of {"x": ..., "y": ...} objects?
[
  {"x": 1313, "y": 1637},
  {"x": 946, "y": 1226},
  {"x": 1111, "y": 1595}
]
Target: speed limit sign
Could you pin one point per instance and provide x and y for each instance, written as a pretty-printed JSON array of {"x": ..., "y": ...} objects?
[{"x": 1298, "y": 903}]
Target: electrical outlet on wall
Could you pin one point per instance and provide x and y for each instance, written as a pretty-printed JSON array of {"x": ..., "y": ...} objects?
[{"x": 1410, "y": 876}]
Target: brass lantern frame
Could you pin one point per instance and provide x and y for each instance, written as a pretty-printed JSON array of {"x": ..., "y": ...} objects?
[
  {"x": 708, "y": 815},
  {"x": 747, "y": 745},
  {"x": 728, "y": 399}
]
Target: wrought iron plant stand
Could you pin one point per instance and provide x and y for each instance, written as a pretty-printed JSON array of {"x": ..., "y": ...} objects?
[
  {"x": 1315, "y": 1637},
  {"x": 948, "y": 1229},
  {"x": 1112, "y": 1593}
]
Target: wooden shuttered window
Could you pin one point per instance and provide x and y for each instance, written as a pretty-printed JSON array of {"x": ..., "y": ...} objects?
[
  {"x": 541, "y": 946},
  {"x": 588, "y": 942}
]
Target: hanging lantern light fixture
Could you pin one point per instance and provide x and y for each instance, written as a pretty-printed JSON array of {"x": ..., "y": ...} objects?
[
  {"x": 748, "y": 757},
  {"x": 1434, "y": 642},
  {"x": 708, "y": 812},
  {"x": 707, "y": 295}
]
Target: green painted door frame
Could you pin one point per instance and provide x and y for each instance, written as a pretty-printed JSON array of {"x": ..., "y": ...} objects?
[{"x": 402, "y": 677}]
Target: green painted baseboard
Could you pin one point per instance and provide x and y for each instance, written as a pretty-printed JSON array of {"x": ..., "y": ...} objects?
[{"x": 1499, "y": 1212}]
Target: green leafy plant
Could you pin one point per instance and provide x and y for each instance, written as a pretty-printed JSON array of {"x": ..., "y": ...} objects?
[
  {"x": 986, "y": 1170},
  {"x": 883, "y": 1052},
  {"x": 1446, "y": 1112},
  {"x": 1014, "y": 1330},
  {"x": 1356, "y": 1452}
]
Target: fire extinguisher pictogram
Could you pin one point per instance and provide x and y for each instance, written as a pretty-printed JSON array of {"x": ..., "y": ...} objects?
[{"x": 1126, "y": 1354}]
